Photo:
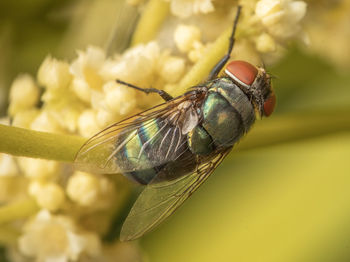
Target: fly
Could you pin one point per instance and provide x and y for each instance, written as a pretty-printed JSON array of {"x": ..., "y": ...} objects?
[{"x": 174, "y": 147}]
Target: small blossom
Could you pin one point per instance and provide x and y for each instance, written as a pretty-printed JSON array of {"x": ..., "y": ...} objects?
[
  {"x": 46, "y": 123},
  {"x": 39, "y": 168},
  {"x": 87, "y": 123},
  {"x": 62, "y": 106},
  {"x": 187, "y": 40},
  {"x": 172, "y": 68},
  {"x": 85, "y": 70},
  {"x": 50, "y": 238},
  {"x": 54, "y": 74},
  {"x": 185, "y": 8},
  {"x": 83, "y": 188},
  {"x": 137, "y": 65},
  {"x": 185, "y": 36},
  {"x": 97, "y": 101},
  {"x": 87, "y": 190},
  {"x": 24, "y": 94},
  {"x": 82, "y": 90},
  {"x": 66, "y": 116},
  {"x": 119, "y": 98},
  {"x": 281, "y": 17},
  {"x": 8, "y": 165},
  {"x": 265, "y": 43},
  {"x": 105, "y": 118},
  {"x": 25, "y": 118},
  {"x": 197, "y": 52},
  {"x": 49, "y": 196}
]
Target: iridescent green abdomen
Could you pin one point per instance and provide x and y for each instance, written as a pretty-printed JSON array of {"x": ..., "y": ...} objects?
[{"x": 144, "y": 150}]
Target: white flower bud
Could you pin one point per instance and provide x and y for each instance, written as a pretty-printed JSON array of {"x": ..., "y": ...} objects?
[
  {"x": 86, "y": 69},
  {"x": 197, "y": 52},
  {"x": 104, "y": 118},
  {"x": 8, "y": 166},
  {"x": 87, "y": 123},
  {"x": 49, "y": 237},
  {"x": 49, "y": 196},
  {"x": 25, "y": 118},
  {"x": 39, "y": 168},
  {"x": 281, "y": 17},
  {"x": 136, "y": 65},
  {"x": 203, "y": 6},
  {"x": 24, "y": 94},
  {"x": 82, "y": 90},
  {"x": 185, "y": 8},
  {"x": 185, "y": 36},
  {"x": 265, "y": 43},
  {"x": 83, "y": 188},
  {"x": 119, "y": 98},
  {"x": 172, "y": 68},
  {"x": 45, "y": 122},
  {"x": 54, "y": 73}
]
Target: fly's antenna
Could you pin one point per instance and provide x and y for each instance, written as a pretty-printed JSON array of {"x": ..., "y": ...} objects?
[{"x": 217, "y": 68}]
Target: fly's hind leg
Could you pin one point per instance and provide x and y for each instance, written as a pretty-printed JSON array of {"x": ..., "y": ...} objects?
[
  {"x": 217, "y": 68},
  {"x": 162, "y": 93}
]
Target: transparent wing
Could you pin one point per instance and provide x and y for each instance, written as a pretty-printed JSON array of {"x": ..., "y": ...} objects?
[
  {"x": 157, "y": 134},
  {"x": 160, "y": 199}
]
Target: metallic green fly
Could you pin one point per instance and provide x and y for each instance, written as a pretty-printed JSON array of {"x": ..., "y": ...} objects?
[{"x": 174, "y": 147}]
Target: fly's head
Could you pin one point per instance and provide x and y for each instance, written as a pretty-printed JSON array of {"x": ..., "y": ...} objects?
[{"x": 255, "y": 83}]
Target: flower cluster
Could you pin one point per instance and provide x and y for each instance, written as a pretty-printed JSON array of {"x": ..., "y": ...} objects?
[
  {"x": 81, "y": 97},
  {"x": 186, "y": 8},
  {"x": 63, "y": 241}
]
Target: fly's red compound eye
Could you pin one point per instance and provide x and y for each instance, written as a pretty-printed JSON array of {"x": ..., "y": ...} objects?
[
  {"x": 241, "y": 71},
  {"x": 269, "y": 104}
]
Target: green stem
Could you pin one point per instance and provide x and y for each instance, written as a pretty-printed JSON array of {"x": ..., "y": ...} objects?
[
  {"x": 24, "y": 142},
  {"x": 270, "y": 131},
  {"x": 152, "y": 18},
  {"x": 17, "y": 210}
]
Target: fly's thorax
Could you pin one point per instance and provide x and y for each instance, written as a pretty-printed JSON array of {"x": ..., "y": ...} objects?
[
  {"x": 227, "y": 113},
  {"x": 236, "y": 98}
]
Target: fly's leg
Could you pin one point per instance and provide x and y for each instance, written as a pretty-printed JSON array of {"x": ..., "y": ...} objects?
[
  {"x": 217, "y": 68},
  {"x": 162, "y": 93}
]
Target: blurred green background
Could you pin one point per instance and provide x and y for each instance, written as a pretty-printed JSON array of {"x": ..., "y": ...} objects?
[{"x": 283, "y": 195}]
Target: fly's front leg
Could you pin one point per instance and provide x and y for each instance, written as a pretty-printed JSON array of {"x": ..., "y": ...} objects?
[
  {"x": 217, "y": 68},
  {"x": 162, "y": 93}
]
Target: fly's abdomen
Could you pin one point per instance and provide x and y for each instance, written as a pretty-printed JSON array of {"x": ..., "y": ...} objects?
[
  {"x": 154, "y": 149},
  {"x": 132, "y": 160},
  {"x": 227, "y": 113}
]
